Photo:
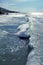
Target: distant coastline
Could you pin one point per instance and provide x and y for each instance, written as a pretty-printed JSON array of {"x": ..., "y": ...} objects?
[{"x": 6, "y": 11}]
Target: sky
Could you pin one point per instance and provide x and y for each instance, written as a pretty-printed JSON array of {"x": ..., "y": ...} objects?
[{"x": 23, "y": 5}]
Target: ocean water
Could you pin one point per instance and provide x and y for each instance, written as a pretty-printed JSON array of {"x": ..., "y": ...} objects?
[
  {"x": 36, "y": 40},
  {"x": 15, "y": 51}
]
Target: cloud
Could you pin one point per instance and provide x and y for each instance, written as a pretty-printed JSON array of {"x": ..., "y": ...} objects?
[{"x": 8, "y": 4}]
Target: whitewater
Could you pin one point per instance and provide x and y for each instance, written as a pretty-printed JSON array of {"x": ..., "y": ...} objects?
[{"x": 15, "y": 51}]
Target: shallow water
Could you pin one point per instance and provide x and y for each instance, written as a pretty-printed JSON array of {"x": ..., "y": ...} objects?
[
  {"x": 15, "y": 51},
  {"x": 36, "y": 56}
]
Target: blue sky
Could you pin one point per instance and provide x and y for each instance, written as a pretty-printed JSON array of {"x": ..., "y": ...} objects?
[{"x": 23, "y": 5}]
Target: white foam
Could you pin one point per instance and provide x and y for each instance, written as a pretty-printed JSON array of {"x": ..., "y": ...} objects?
[
  {"x": 23, "y": 27},
  {"x": 22, "y": 30},
  {"x": 16, "y": 15}
]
